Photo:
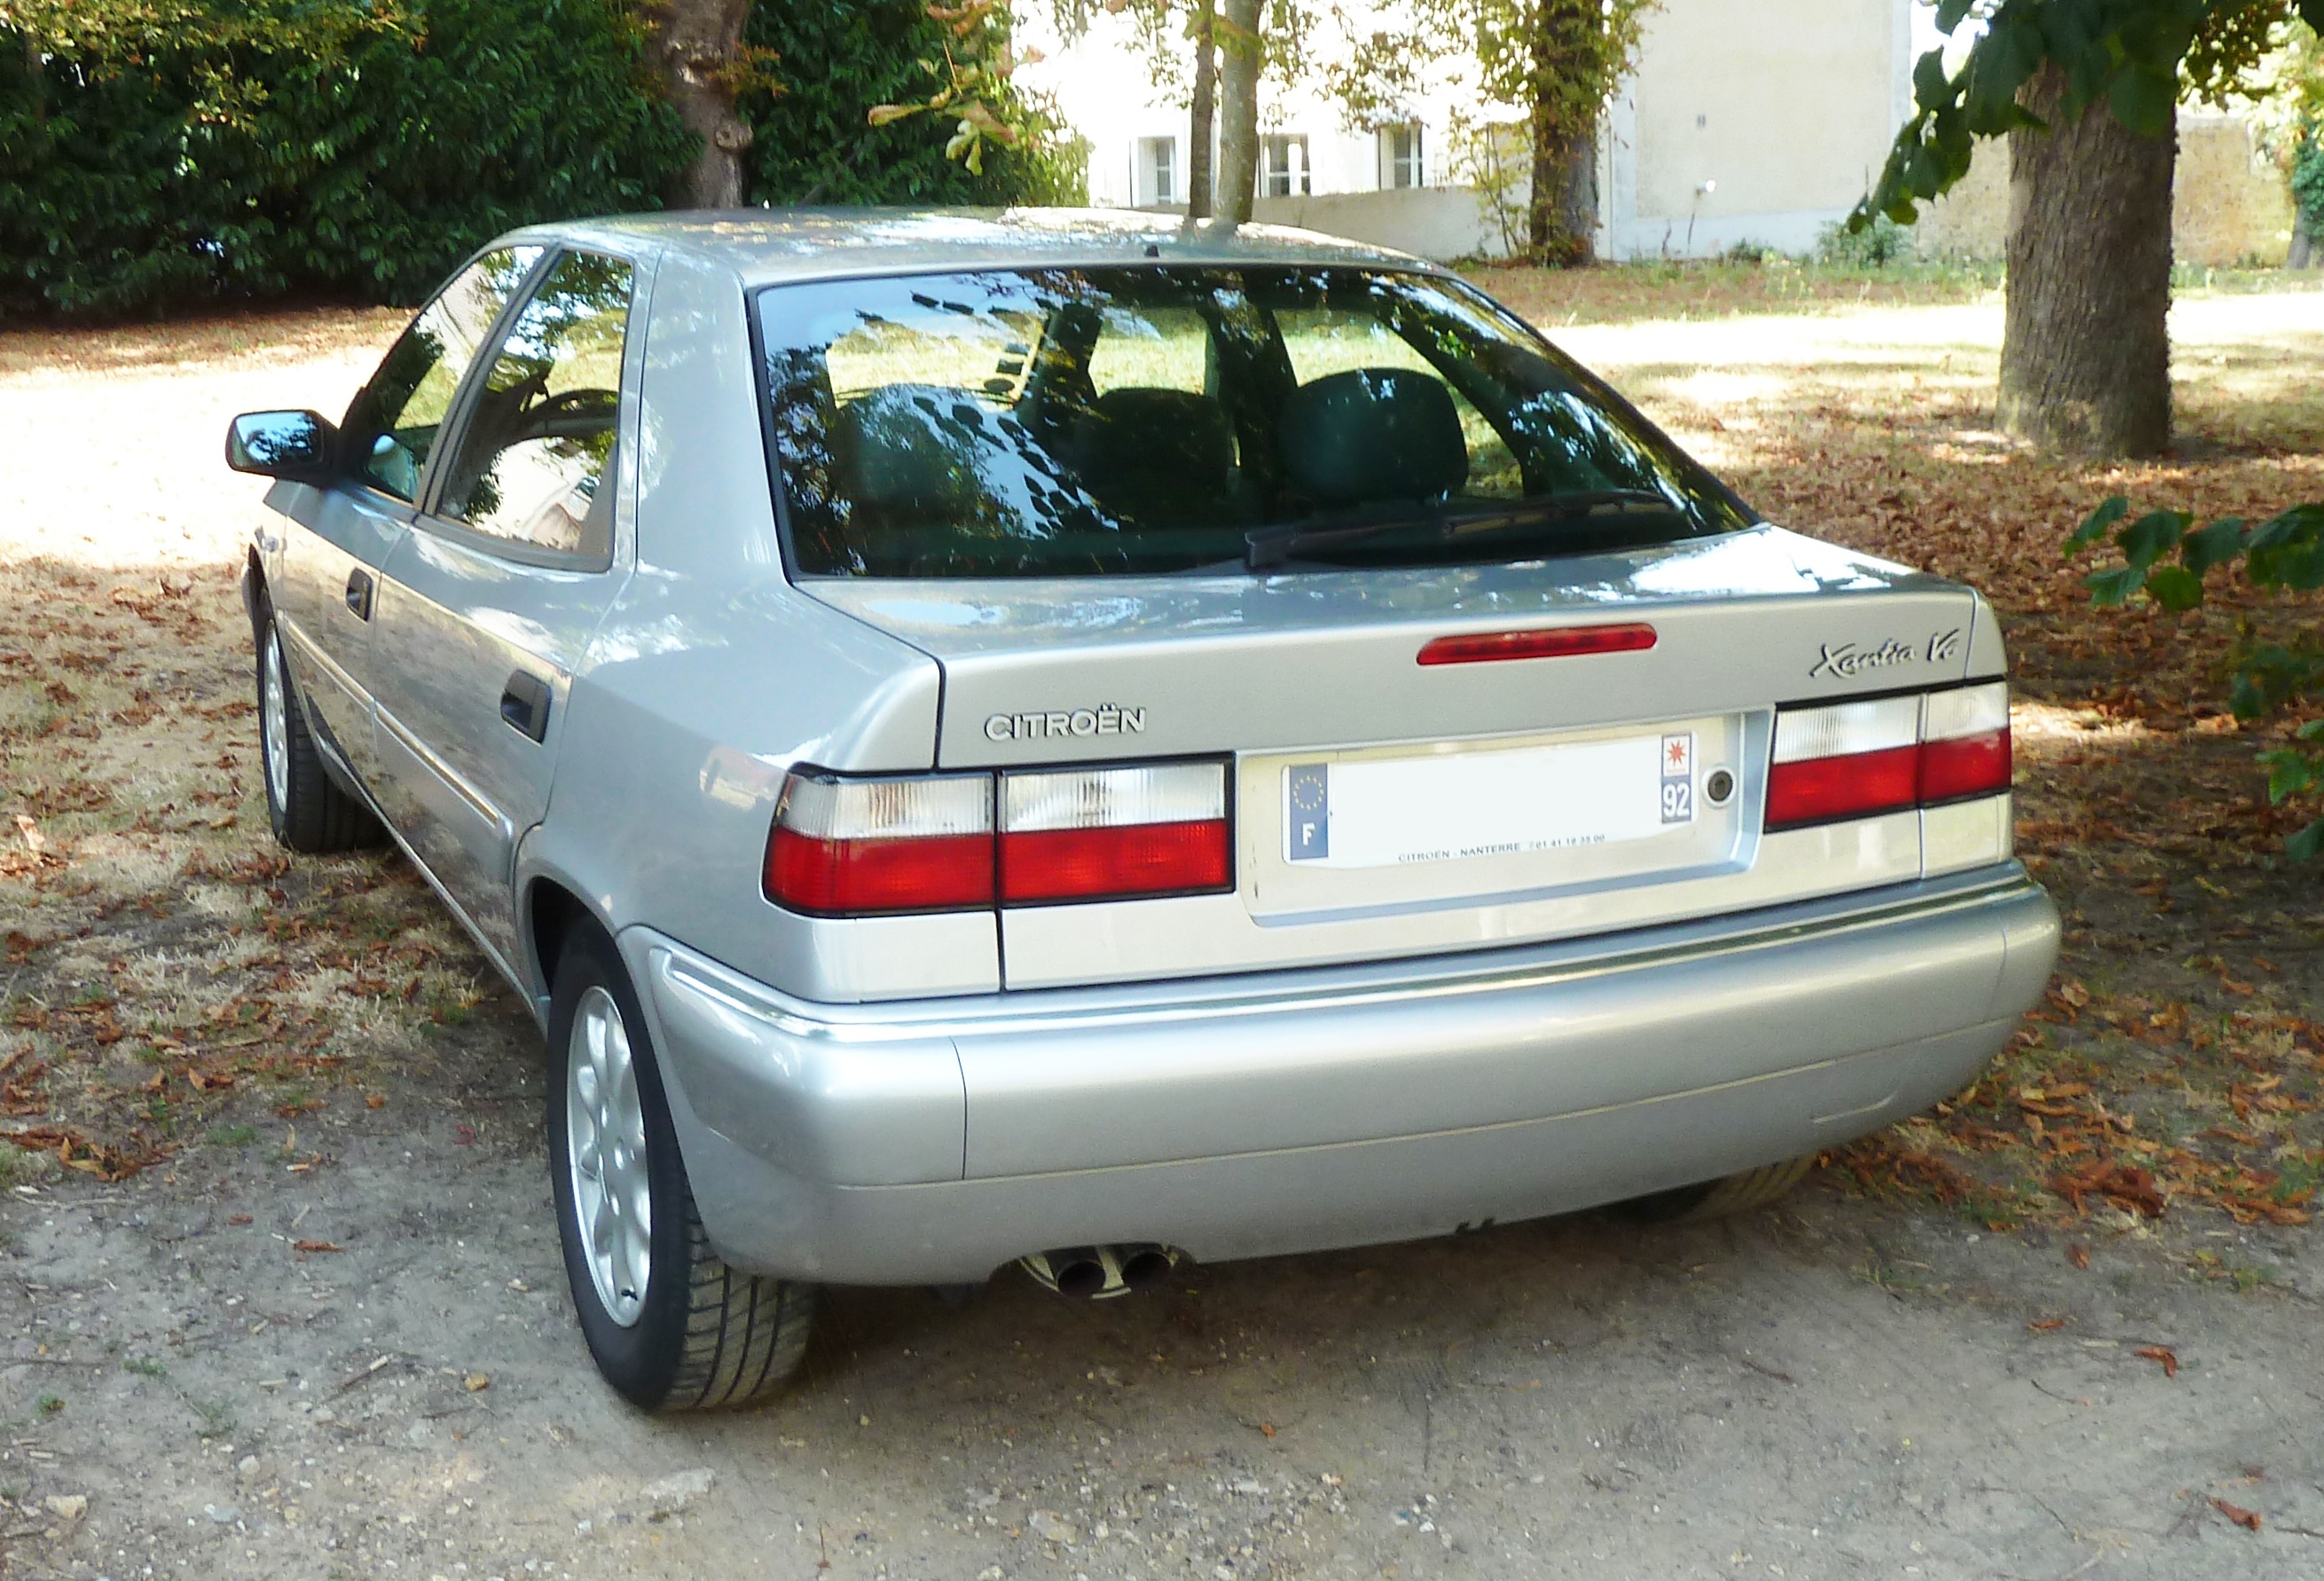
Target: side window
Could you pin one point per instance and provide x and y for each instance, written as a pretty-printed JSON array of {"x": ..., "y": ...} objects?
[
  {"x": 1331, "y": 340},
  {"x": 392, "y": 427},
  {"x": 539, "y": 443}
]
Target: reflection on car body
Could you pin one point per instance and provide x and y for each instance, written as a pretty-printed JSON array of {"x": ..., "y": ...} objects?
[{"x": 1046, "y": 737}]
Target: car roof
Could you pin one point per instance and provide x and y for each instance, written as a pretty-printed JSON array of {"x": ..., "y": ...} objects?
[{"x": 764, "y": 246}]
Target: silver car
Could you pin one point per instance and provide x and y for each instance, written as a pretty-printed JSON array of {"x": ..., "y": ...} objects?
[{"x": 1061, "y": 738}]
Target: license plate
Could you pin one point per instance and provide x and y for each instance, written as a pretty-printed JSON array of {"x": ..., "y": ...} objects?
[{"x": 1457, "y": 806}]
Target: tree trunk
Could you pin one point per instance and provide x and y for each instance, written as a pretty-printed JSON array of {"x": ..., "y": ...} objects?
[
  {"x": 2303, "y": 248},
  {"x": 1567, "y": 46},
  {"x": 1198, "y": 141},
  {"x": 2086, "y": 341},
  {"x": 697, "y": 49},
  {"x": 1239, "y": 62}
]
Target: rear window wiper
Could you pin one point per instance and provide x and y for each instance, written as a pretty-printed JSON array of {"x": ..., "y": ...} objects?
[{"x": 1267, "y": 547}]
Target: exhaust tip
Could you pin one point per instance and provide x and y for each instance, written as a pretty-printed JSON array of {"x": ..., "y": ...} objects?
[
  {"x": 1084, "y": 1278},
  {"x": 1145, "y": 1267},
  {"x": 1096, "y": 1273}
]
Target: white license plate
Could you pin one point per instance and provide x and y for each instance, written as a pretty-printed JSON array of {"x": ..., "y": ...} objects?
[{"x": 1390, "y": 812}]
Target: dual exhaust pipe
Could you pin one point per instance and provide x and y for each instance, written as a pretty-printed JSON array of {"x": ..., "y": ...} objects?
[{"x": 1099, "y": 1273}]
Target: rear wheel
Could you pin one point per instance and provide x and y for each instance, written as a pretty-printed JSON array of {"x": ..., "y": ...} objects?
[
  {"x": 1710, "y": 1199},
  {"x": 670, "y": 1324},
  {"x": 307, "y": 811}
]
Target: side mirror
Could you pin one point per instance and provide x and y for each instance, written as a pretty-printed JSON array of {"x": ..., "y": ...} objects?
[{"x": 298, "y": 445}]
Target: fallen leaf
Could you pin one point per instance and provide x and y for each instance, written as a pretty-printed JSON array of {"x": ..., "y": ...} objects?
[
  {"x": 34, "y": 841},
  {"x": 2046, "y": 1325},
  {"x": 322, "y": 1246},
  {"x": 2246, "y": 1519},
  {"x": 477, "y": 1382},
  {"x": 2079, "y": 1256},
  {"x": 2120, "y": 1184},
  {"x": 2162, "y": 1355}
]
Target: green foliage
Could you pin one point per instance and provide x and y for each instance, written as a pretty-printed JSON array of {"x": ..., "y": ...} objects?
[
  {"x": 2166, "y": 557},
  {"x": 168, "y": 154},
  {"x": 838, "y": 62},
  {"x": 2308, "y": 177},
  {"x": 2134, "y": 56},
  {"x": 1876, "y": 246}
]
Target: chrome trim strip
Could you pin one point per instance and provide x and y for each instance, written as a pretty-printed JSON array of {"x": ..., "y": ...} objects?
[
  {"x": 477, "y": 801},
  {"x": 309, "y": 649},
  {"x": 1301, "y": 989}
]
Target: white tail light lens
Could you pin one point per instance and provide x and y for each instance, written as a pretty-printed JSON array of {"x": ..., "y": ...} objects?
[
  {"x": 852, "y": 847},
  {"x": 1096, "y": 833}
]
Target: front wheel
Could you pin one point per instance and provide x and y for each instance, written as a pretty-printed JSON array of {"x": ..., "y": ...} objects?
[
  {"x": 306, "y": 810},
  {"x": 670, "y": 1324}
]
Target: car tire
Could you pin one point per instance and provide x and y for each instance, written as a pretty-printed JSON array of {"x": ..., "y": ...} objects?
[
  {"x": 305, "y": 806},
  {"x": 1713, "y": 1199},
  {"x": 693, "y": 1333}
]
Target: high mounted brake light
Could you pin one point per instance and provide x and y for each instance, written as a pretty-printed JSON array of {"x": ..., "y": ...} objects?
[
  {"x": 1558, "y": 643},
  {"x": 1886, "y": 754},
  {"x": 853, "y": 847}
]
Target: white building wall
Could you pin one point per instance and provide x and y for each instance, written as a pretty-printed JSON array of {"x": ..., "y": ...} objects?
[{"x": 1746, "y": 120}]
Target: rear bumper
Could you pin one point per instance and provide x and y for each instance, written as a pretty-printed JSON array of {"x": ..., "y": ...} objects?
[{"x": 1284, "y": 1112}]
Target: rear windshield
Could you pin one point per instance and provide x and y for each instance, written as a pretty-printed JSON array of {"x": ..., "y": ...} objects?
[{"x": 1160, "y": 419}]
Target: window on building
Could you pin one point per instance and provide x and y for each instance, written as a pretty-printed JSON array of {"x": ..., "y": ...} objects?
[
  {"x": 1283, "y": 166},
  {"x": 1401, "y": 164},
  {"x": 1158, "y": 159}
]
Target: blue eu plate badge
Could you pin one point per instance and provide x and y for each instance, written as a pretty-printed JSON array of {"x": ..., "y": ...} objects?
[{"x": 1309, "y": 791}]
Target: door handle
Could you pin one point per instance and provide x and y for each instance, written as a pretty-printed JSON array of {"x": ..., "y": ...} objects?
[
  {"x": 524, "y": 705},
  {"x": 359, "y": 593}
]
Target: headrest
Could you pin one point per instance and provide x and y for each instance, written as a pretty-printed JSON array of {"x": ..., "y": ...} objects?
[
  {"x": 1140, "y": 445},
  {"x": 1372, "y": 435},
  {"x": 911, "y": 450}
]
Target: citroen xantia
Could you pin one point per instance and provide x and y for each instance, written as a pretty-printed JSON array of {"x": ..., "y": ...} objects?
[{"x": 1076, "y": 738}]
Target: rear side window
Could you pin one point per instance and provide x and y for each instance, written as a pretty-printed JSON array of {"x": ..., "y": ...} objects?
[
  {"x": 391, "y": 429},
  {"x": 539, "y": 443},
  {"x": 1156, "y": 419}
]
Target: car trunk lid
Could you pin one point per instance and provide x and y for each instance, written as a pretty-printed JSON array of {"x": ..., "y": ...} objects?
[{"x": 1462, "y": 803}]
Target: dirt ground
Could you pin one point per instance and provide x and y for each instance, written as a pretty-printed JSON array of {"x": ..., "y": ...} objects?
[{"x": 279, "y": 1293}]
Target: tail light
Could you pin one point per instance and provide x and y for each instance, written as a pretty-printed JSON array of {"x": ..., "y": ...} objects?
[
  {"x": 1886, "y": 755},
  {"x": 1965, "y": 743},
  {"x": 851, "y": 847},
  {"x": 1086, "y": 833}
]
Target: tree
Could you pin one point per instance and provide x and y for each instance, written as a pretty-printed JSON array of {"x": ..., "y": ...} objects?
[
  {"x": 2086, "y": 93},
  {"x": 1561, "y": 60},
  {"x": 1241, "y": 54},
  {"x": 697, "y": 49},
  {"x": 1203, "y": 111}
]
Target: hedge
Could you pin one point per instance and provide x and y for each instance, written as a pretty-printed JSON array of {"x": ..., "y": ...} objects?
[{"x": 160, "y": 155}]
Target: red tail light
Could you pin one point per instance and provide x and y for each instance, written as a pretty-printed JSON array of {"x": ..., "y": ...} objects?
[
  {"x": 1965, "y": 743},
  {"x": 1862, "y": 784},
  {"x": 851, "y": 847},
  {"x": 1084, "y": 834},
  {"x": 1885, "y": 754},
  {"x": 1559, "y": 643},
  {"x": 855, "y": 847}
]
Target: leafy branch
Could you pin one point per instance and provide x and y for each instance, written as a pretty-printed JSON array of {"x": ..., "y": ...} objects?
[
  {"x": 972, "y": 81},
  {"x": 2133, "y": 55},
  {"x": 2167, "y": 559}
]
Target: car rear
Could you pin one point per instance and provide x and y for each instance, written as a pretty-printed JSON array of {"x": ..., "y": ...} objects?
[{"x": 1395, "y": 786}]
